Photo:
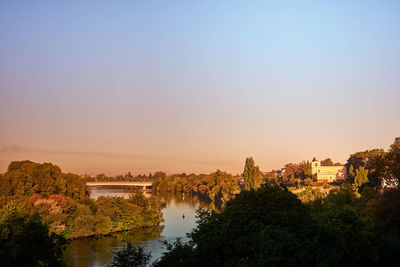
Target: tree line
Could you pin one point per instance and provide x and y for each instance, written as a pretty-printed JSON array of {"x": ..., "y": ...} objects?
[
  {"x": 218, "y": 187},
  {"x": 128, "y": 177}
]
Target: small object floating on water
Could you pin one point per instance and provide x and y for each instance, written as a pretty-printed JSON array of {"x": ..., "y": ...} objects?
[{"x": 183, "y": 216}]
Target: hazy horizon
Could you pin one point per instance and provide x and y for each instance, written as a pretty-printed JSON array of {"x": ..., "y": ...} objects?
[{"x": 189, "y": 87}]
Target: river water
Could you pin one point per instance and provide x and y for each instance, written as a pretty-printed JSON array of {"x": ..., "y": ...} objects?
[{"x": 98, "y": 251}]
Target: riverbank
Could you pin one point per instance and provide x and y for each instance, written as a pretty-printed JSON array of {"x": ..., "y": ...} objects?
[{"x": 98, "y": 251}]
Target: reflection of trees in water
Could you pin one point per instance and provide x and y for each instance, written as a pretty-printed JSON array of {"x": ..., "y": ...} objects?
[
  {"x": 193, "y": 199},
  {"x": 82, "y": 249}
]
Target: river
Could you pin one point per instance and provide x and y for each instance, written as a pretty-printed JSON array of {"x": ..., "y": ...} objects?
[{"x": 98, "y": 251}]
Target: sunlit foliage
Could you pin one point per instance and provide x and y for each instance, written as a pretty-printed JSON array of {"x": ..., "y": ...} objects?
[
  {"x": 252, "y": 175},
  {"x": 62, "y": 202},
  {"x": 25, "y": 240}
]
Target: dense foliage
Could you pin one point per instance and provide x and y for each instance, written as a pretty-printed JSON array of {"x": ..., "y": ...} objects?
[
  {"x": 25, "y": 178},
  {"x": 62, "y": 202},
  {"x": 25, "y": 240},
  {"x": 104, "y": 215},
  {"x": 271, "y": 227},
  {"x": 381, "y": 165},
  {"x": 252, "y": 175},
  {"x": 218, "y": 187},
  {"x": 131, "y": 255},
  {"x": 126, "y": 178}
]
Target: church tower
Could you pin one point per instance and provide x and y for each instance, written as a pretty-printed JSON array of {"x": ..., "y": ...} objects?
[{"x": 315, "y": 165}]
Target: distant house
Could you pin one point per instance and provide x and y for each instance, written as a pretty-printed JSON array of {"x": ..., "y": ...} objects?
[
  {"x": 327, "y": 173},
  {"x": 239, "y": 179}
]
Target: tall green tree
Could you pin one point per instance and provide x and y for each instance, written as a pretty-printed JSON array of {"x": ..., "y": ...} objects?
[
  {"x": 306, "y": 168},
  {"x": 252, "y": 175},
  {"x": 361, "y": 177}
]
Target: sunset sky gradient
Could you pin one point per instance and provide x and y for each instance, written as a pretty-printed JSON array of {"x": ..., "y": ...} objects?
[{"x": 195, "y": 86}]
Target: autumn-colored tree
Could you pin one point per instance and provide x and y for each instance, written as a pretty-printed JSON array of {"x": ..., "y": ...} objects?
[{"x": 293, "y": 170}]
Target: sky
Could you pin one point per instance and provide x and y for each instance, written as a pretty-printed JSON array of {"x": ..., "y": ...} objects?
[{"x": 196, "y": 86}]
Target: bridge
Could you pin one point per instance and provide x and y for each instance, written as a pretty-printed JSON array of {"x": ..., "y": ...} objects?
[{"x": 144, "y": 185}]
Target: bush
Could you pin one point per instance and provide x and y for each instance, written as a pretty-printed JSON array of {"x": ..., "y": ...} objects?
[{"x": 131, "y": 256}]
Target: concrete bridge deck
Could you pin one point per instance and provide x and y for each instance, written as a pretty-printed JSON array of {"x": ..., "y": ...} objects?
[{"x": 139, "y": 184}]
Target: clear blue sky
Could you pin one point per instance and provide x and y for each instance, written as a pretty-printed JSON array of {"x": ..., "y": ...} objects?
[{"x": 112, "y": 86}]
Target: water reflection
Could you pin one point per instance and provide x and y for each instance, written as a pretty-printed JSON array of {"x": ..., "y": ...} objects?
[{"x": 98, "y": 251}]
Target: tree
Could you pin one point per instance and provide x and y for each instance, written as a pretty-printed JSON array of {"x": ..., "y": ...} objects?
[
  {"x": 252, "y": 175},
  {"x": 306, "y": 168},
  {"x": 373, "y": 160},
  {"x": 100, "y": 177},
  {"x": 131, "y": 256},
  {"x": 293, "y": 170},
  {"x": 351, "y": 171},
  {"x": 271, "y": 177},
  {"x": 393, "y": 160},
  {"x": 327, "y": 162},
  {"x": 25, "y": 241},
  {"x": 25, "y": 178},
  {"x": 361, "y": 177}
]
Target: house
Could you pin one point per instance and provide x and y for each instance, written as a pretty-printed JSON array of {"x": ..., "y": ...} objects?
[{"x": 327, "y": 173}]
